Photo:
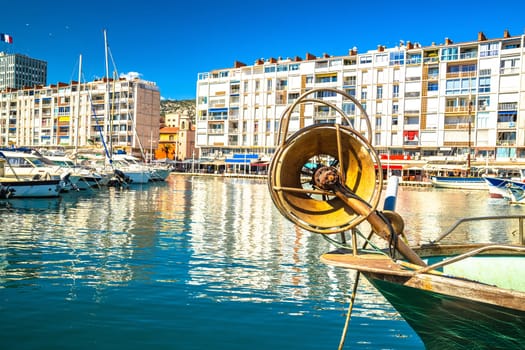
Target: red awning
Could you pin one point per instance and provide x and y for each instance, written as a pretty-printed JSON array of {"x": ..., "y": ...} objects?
[{"x": 391, "y": 166}]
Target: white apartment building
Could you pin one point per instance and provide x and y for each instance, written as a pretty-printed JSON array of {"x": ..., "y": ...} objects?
[
  {"x": 119, "y": 114},
  {"x": 442, "y": 99}
]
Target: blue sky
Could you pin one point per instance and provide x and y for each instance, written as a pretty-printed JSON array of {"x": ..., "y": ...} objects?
[{"x": 170, "y": 42}]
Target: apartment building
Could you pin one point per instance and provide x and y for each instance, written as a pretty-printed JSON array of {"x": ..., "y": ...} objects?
[
  {"x": 437, "y": 100},
  {"x": 118, "y": 114},
  {"x": 18, "y": 71}
]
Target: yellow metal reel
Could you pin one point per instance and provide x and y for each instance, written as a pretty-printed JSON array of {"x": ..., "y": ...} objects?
[{"x": 323, "y": 145}]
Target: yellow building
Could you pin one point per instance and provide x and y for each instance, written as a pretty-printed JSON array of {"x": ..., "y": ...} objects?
[{"x": 177, "y": 141}]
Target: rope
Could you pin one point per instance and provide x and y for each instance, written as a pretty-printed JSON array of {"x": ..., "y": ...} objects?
[
  {"x": 393, "y": 237},
  {"x": 350, "y": 308}
]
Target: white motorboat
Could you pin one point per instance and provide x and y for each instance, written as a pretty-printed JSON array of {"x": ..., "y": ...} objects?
[
  {"x": 32, "y": 166},
  {"x": 29, "y": 188}
]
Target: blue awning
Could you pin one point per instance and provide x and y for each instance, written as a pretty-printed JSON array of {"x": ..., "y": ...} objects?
[
  {"x": 218, "y": 110},
  {"x": 507, "y": 112}
]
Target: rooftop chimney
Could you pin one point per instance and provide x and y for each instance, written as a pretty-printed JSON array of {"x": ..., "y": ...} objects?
[
  {"x": 481, "y": 36},
  {"x": 506, "y": 34},
  {"x": 238, "y": 64},
  {"x": 309, "y": 56},
  {"x": 448, "y": 41}
]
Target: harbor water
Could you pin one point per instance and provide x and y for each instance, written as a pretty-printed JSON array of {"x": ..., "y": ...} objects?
[{"x": 195, "y": 263}]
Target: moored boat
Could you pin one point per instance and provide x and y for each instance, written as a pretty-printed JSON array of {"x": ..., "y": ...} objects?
[
  {"x": 459, "y": 182},
  {"x": 455, "y": 294},
  {"x": 500, "y": 186},
  {"x": 29, "y": 188}
]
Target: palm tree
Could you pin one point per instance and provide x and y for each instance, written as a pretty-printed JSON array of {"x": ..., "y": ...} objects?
[{"x": 166, "y": 148}]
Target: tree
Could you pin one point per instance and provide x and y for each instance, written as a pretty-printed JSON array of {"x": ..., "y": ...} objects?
[{"x": 166, "y": 148}]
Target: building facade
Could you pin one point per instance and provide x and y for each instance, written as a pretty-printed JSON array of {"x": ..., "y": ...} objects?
[
  {"x": 118, "y": 114},
  {"x": 177, "y": 139},
  {"x": 438, "y": 100},
  {"x": 19, "y": 71}
]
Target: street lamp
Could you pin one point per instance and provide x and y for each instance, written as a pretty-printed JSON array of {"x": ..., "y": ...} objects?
[
  {"x": 469, "y": 135},
  {"x": 193, "y": 161}
]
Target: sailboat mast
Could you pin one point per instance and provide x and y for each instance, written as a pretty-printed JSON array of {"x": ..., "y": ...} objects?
[
  {"x": 77, "y": 116},
  {"x": 108, "y": 116}
]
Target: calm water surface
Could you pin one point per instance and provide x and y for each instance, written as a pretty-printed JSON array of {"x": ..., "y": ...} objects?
[{"x": 193, "y": 263}]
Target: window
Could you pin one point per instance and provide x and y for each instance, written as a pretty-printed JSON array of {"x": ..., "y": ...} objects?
[
  {"x": 482, "y": 121},
  {"x": 414, "y": 58},
  {"x": 510, "y": 65},
  {"x": 322, "y": 94},
  {"x": 377, "y": 139},
  {"x": 326, "y": 79},
  {"x": 433, "y": 72},
  {"x": 379, "y": 92},
  {"x": 365, "y": 59},
  {"x": 397, "y": 58},
  {"x": 349, "y": 108},
  {"x": 507, "y": 117},
  {"x": 364, "y": 92},
  {"x": 321, "y": 64},
  {"x": 411, "y": 120},
  {"x": 484, "y": 84},
  {"x": 449, "y": 54},
  {"x": 483, "y": 103},
  {"x": 433, "y": 86},
  {"x": 395, "y": 108},
  {"x": 395, "y": 91},
  {"x": 460, "y": 86},
  {"x": 488, "y": 49},
  {"x": 381, "y": 58},
  {"x": 350, "y": 81},
  {"x": 461, "y": 68},
  {"x": 350, "y": 91},
  {"x": 506, "y": 138}
]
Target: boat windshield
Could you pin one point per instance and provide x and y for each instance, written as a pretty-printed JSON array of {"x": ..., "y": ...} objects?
[{"x": 25, "y": 162}]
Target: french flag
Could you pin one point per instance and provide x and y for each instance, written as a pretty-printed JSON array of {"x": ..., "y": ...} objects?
[{"x": 6, "y": 38}]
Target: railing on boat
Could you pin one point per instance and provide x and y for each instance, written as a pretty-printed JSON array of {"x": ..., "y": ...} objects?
[{"x": 452, "y": 228}]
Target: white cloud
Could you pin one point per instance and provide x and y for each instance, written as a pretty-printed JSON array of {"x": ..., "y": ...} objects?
[{"x": 130, "y": 75}]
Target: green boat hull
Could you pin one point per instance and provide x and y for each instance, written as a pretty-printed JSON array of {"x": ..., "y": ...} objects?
[{"x": 447, "y": 322}]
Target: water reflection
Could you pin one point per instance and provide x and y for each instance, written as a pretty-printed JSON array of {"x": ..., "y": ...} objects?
[{"x": 221, "y": 238}]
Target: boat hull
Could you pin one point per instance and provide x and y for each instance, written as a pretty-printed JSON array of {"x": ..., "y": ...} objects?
[
  {"x": 468, "y": 183},
  {"x": 30, "y": 188},
  {"x": 461, "y": 312},
  {"x": 510, "y": 189},
  {"x": 459, "y": 323}
]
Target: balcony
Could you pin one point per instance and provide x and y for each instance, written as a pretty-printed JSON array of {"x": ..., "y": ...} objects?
[
  {"x": 509, "y": 70},
  {"x": 507, "y": 125},
  {"x": 457, "y": 109},
  {"x": 456, "y": 126}
]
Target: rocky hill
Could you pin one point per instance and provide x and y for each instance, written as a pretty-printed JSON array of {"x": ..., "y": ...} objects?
[{"x": 174, "y": 106}]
